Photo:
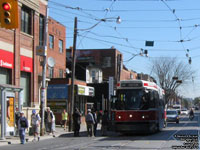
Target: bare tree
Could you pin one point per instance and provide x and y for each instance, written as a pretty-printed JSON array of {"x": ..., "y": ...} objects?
[{"x": 165, "y": 69}]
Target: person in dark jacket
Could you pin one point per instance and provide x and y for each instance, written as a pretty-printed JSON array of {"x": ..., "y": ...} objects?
[
  {"x": 104, "y": 125},
  {"x": 95, "y": 120},
  {"x": 22, "y": 126},
  {"x": 76, "y": 122}
]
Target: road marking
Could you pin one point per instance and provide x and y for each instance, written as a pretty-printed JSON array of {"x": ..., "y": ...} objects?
[{"x": 172, "y": 136}]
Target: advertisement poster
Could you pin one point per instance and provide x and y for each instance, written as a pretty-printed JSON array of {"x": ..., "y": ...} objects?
[{"x": 10, "y": 115}]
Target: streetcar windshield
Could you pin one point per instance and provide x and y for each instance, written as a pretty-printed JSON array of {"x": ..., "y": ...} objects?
[{"x": 130, "y": 100}]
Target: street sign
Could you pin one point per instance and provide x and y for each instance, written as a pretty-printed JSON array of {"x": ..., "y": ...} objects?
[
  {"x": 149, "y": 43},
  {"x": 40, "y": 50},
  {"x": 111, "y": 87}
]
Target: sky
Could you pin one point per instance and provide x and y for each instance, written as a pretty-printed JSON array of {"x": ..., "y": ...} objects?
[{"x": 173, "y": 25}]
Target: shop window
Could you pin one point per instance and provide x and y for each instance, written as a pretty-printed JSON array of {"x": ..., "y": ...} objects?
[
  {"x": 5, "y": 76},
  {"x": 25, "y": 84},
  {"x": 26, "y": 20}
]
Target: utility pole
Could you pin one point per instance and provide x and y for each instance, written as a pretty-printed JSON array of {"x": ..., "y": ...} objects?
[
  {"x": 73, "y": 75},
  {"x": 43, "y": 89}
]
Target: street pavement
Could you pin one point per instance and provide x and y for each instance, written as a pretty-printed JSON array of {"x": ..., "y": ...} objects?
[
  {"x": 59, "y": 132},
  {"x": 175, "y": 136}
]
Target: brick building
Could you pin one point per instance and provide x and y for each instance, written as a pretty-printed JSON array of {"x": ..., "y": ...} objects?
[
  {"x": 110, "y": 61},
  {"x": 107, "y": 61},
  {"x": 19, "y": 64}
]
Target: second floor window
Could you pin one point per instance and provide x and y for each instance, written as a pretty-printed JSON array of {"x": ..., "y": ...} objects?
[
  {"x": 51, "y": 41},
  {"x": 51, "y": 71},
  {"x": 61, "y": 46},
  {"x": 107, "y": 62},
  {"x": 41, "y": 30},
  {"x": 26, "y": 20},
  {"x": 60, "y": 73}
]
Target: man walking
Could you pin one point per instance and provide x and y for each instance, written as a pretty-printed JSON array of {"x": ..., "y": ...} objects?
[
  {"x": 22, "y": 125},
  {"x": 95, "y": 120},
  {"x": 90, "y": 123},
  {"x": 35, "y": 123},
  {"x": 76, "y": 122},
  {"x": 50, "y": 121}
]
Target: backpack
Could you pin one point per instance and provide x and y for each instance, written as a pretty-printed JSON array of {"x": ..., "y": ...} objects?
[
  {"x": 23, "y": 123},
  {"x": 89, "y": 118}
]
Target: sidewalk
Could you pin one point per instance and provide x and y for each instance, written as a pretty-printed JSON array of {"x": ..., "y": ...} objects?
[{"x": 59, "y": 132}]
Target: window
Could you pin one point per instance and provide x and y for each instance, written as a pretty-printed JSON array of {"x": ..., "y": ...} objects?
[
  {"x": 60, "y": 73},
  {"x": 51, "y": 41},
  {"x": 25, "y": 83},
  {"x": 26, "y": 20},
  {"x": 107, "y": 62},
  {"x": 5, "y": 75},
  {"x": 60, "y": 46},
  {"x": 41, "y": 30},
  {"x": 51, "y": 70}
]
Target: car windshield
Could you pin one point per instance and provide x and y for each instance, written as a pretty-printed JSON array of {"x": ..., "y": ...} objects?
[
  {"x": 184, "y": 110},
  {"x": 171, "y": 112}
]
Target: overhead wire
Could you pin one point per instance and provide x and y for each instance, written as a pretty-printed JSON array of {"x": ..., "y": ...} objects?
[{"x": 181, "y": 41}]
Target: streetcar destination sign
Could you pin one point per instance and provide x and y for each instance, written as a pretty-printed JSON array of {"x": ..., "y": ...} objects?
[{"x": 131, "y": 84}]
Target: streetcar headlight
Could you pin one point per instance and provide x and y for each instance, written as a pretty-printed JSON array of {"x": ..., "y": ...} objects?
[
  {"x": 119, "y": 117},
  {"x": 143, "y": 116},
  {"x": 130, "y": 115}
]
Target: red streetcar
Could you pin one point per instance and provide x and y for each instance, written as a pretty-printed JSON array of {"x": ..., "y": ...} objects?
[{"x": 137, "y": 107}]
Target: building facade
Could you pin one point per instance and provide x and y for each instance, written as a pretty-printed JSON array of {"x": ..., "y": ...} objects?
[
  {"x": 20, "y": 65},
  {"x": 96, "y": 66}
]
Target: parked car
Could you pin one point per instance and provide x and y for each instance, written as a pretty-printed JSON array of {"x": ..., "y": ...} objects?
[
  {"x": 184, "y": 112},
  {"x": 172, "y": 116}
]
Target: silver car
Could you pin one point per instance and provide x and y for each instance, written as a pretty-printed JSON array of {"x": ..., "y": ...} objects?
[{"x": 172, "y": 116}]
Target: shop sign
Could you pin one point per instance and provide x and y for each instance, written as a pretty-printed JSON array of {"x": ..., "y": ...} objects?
[
  {"x": 26, "y": 64},
  {"x": 6, "y": 59},
  {"x": 81, "y": 90},
  {"x": 57, "y": 91},
  {"x": 85, "y": 90},
  {"x": 91, "y": 91}
]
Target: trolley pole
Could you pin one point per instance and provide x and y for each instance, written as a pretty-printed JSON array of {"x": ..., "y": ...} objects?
[{"x": 73, "y": 76}]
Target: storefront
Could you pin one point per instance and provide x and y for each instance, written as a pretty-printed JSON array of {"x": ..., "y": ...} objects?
[
  {"x": 57, "y": 99},
  {"x": 6, "y": 66},
  {"x": 26, "y": 68},
  {"x": 80, "y": 100}
]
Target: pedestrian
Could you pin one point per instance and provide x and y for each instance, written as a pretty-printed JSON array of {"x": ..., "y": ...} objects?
[
  {"x": 35, "y": 123},
  {"x": 90, "y": 123},
  {"x": 76, "y": 122},
  {"x": 95, "y": 120},
  {"x": 49, "y": 120},
  {"x": 53, "y": 126},
  {"x": 104, "y": 125},
  {"x": 64, "y": 118},
  {"x": 17, "y": 116},
  {"x": 22, "y": 126}
]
